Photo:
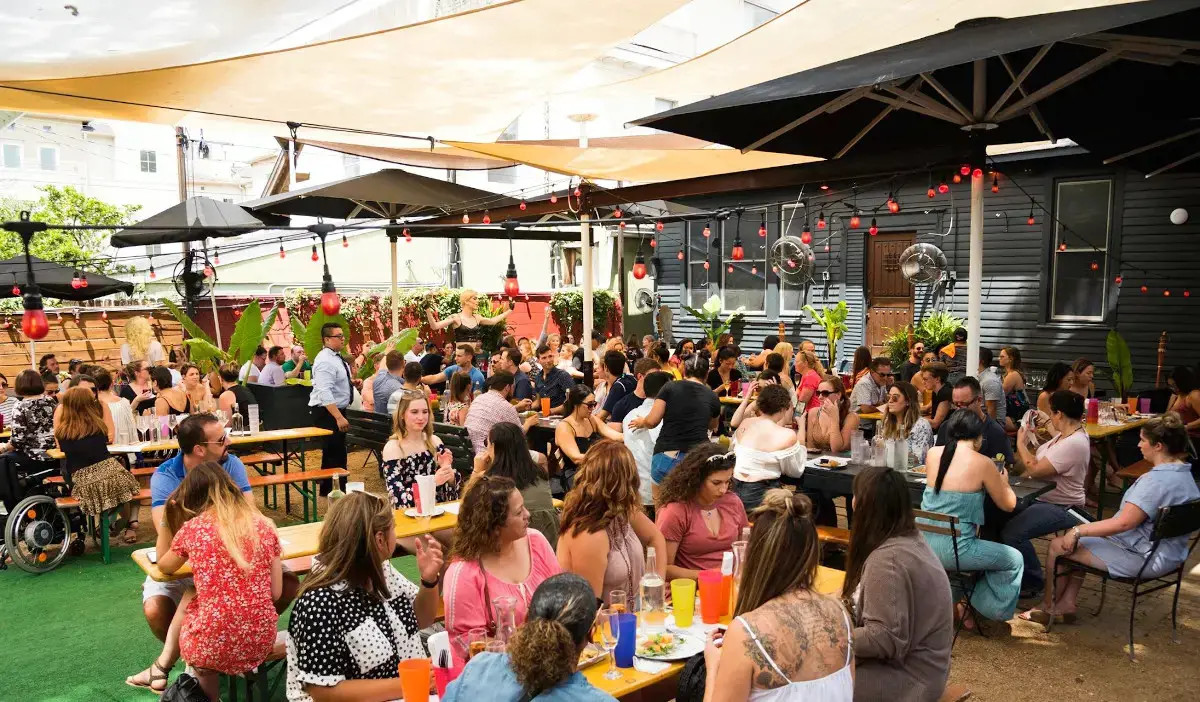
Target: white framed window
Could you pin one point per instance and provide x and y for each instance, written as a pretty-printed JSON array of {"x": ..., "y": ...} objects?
[
  {"x": 744, "y": 282},
  {"x": 1079, "y": 255},
  {"x": 13, "y": 153},
  {"x": 148, "y": 161},
  {"x": 701, "y": 282},
  {"x": 48, "y": 157}
]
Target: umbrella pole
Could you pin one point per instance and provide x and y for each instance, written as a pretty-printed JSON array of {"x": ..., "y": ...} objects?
[
  {"x": 212, "y": 298},
  {"x": 395, "y": 292},
  {"x": 975, "y": 270},
  {"x": 585, "y": 252}
]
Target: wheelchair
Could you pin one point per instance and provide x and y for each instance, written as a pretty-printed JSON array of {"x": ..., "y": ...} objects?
[{"x": 38, "y": 534}]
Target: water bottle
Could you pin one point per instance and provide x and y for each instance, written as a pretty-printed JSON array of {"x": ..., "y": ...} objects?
[
  {"x": 653, "y": 612},
  {"x": 858, "y": 447}
]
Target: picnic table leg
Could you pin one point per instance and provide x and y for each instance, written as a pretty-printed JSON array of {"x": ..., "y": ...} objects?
[
  {"x": 105, "y": 548},
  {"x": 287, "y": 495},
  {"x": 1105, "y": 449}
]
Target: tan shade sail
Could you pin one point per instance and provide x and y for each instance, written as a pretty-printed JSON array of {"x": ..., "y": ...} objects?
[
  {"x": 438, "y": 157},
  {"x": 463, "y": 76},
  {"x": 815, "y": 33},
  {"x": 631, "y": 164}
]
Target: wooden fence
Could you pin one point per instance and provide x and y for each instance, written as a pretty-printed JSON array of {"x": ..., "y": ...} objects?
[{"x": 92, "y": 338}]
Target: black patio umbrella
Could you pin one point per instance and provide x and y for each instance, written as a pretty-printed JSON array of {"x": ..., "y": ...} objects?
[
  {"x": 390, "y": 193},
  {"x": 54, "y": 280},
  {"x": 1115, "y": 79},
  {"x": 1119, "y": 80},
  {"x": 176, "y": 223}
]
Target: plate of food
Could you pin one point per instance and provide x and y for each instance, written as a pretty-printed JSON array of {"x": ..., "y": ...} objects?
[
  {"x": 591, "y": 654},
  {"x": 829, "y": 462},
  {"x": 668, "y": 646},
  {"x": 917, "y": 469},
  {"x": 412, "y": 512}
]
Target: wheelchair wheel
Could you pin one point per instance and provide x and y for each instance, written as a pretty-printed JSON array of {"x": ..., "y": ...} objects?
[{"x": 38, "y": 534}]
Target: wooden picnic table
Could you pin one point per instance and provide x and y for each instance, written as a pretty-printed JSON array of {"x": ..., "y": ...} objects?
[
  {"x": 829, "y": 582},
  {"x": 841, "y": 482},
  {"x": 1104, "y": 436}
]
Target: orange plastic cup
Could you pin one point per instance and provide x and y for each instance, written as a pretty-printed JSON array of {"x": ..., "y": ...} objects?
[
  {"x": 1133, "y": 405},
  {"x": 710, "y": 596},
  {"x": 545, "y": 407},
  {"x": 414, "y": 679}
]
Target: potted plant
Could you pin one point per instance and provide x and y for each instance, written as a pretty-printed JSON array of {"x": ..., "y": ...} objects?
[
  {"x": 833, "y": 321},
  {"x": 709, "y": 316}
]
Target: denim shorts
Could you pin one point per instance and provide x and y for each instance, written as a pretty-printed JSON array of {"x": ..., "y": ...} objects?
[
  {"x": 752, "y": 493},
  {"x": 661, "y": 464}
]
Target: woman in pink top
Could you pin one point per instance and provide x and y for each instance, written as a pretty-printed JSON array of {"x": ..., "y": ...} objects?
[
  {"x": 697, "y": 514},
  {"x": 806, "y": 391},
  {"x": 495, "y": 554}
]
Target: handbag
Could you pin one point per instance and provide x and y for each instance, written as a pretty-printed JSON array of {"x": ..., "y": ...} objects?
[
  {"x": 692, "y": 679},
  {"x": 185, "y": 689}
]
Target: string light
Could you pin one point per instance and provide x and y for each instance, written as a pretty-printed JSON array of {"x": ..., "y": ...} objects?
[
  {"x": 345, "y": 242},
  {"x": 707, "y": 229},
  {"x": 104, "y": 315},
  {"x": 466, "y": 218},
  {"x": 578, "y": 192},
  {"x": 1187, "y": 293},
  {"x": 653, "y": 242},
  {"x": 282, "y": 253},
  {"x": 964, "y": 169},
  {"x": 679, "y": 254},
  {"x": 762, "y": 227},
  {"x": 821, "y": 220},
  {"x": 892, "y": 205},
  {"x": 523, "y": 206},
  {"x": 1062, "y": 246},
  {"x": 854, "y": 220},
  {"x": 956, "y": 179},
  {"x": 730, "y": 269},
  {"x": 874, "y": 227},
  {"x": 407, "y": 236},
  {"x": 1095, "y": 266},
  {"x": 208, "y": 271},
  {"x": 153, "y": 275},
  {"x": 512, "y": 286},
  {"x": 1166, "y": 293},
  {"x": 658, "y": 226},
  {"x": 827, "y": 248},
  {"x": 1145, "y": 289},
  {"x": 1118, "y": 280},
  {"x": 977, "y": 173},
  {"x": 824, "y": 186},
  {"x": 75, "y": 282},
  {"x": 217, "y": 251},
  {"x": 943, "y": 188},
  {"x": 806, "y": 235},
  {"x": 995, "y": 183},
  {"x": 315, "y": 257},
  {"x": 487, "y": 217},
  {"x": 737, "y": 253},
  {"x": 553, "y": 199},
  {"x": 639, "y": 265},
  {"x": 34, "y": 323},
  {"x": 706, "y": 265},
  {"x": 931, "y": 193}
]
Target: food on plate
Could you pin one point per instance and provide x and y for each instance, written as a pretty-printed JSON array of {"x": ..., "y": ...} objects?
[
  {"x": 590, "y": 654},
  {"x": 918, "y": 469},
  {"x": 657, "y": 645}
]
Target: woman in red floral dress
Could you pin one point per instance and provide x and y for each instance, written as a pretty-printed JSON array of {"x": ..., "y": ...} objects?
[{"x": 228, "y": 624}]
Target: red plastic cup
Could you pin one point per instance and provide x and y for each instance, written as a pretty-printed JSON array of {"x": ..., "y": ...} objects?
[
  {"x": 710, "y": 596},
  {"x": 442, "y": 677}
]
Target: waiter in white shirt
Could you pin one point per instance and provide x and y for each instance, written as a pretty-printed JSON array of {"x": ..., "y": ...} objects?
[{"x": 332, "y": 392}]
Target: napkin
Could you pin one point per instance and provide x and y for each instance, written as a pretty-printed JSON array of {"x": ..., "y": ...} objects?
[
  {"x": 451, "y": 507},
  {"x": 645, "y": 665}
]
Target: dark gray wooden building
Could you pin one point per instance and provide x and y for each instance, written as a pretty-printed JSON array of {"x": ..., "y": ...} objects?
[{"x": 1052, "y": 304}]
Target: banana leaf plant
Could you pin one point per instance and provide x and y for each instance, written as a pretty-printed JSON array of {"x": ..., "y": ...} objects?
[
  {"x": 248, "y": 333},
  {"x": 709, "y": 316},
  {"x": 1119, "y": 362},
  {"x": 402, "y": 342},
  {"x": 833, "y": 321}
]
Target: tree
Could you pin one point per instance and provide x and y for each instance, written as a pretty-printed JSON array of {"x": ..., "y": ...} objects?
[{"x": 86, "y": 248}]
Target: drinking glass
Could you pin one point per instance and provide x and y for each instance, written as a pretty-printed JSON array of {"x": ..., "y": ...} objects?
[
  {"x": 604, "y": 633},
  {"x": 477, "y": 641},
  {"x": 496, "y": 646},
  {"x": 618, "y": 601}
]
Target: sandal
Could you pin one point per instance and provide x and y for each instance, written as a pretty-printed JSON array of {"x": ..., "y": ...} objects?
[
  {"x": 151, "y": 678},
  {"x": 130, "y": 534},
  {"x": 1044, "y": 618}
]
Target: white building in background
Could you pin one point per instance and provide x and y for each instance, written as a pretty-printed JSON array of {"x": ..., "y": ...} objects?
[{"x": 127, "y": 163}]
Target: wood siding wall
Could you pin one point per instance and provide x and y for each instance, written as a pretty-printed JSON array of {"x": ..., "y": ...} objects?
[
  {"x": 91, "y": 339},
  {"x": 1017, "y": 263}
]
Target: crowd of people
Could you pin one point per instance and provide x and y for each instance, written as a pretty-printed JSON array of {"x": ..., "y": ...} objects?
[{"x": 634, "y": 447}]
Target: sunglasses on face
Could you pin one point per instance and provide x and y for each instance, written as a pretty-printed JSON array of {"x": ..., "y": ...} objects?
[
  {"x": 826, "y": 393},
  {"x": 895, "y": 398},
  {"x": 591, "y": 405}
]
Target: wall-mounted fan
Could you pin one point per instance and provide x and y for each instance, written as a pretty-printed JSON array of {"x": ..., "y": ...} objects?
[
  {"x": 792, "y": 260},
  {"x": 644, "y": 300},
  {"x": 922, "y": 263},
  {"x": 194, "y": 276}
]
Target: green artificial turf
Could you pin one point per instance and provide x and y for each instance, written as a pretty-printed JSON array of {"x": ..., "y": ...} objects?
[{"x": 75, "y": 633}]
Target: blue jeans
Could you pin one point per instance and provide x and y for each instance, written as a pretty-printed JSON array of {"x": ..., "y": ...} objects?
[
  {"x": 752, "y": 493},
  {"x": 661, "y": 464},
  {"x": 1038, "y": 519}
]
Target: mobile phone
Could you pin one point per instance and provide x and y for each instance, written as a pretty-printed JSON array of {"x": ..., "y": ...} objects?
[{"x": 152, "y": 555}]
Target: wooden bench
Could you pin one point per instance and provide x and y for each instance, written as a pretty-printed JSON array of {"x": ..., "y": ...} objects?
[
  {"x": 99, "y": 526},
  {"x": 1133, "y": 471},
  {"x": 370, "y": 431},
  {"x": 297, "y": 481},
  {"x": 833, "y": 535},
  {"x": 458, "y": 441},
  {"x": 266, "y": 462}
]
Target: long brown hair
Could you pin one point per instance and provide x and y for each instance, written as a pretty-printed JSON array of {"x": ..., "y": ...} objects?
[
  {"x": 208, "y": 487},
  {"x": 81, "y": 415},
  {"x": 460, "y": 387},
  {"x": 684, "y": 481},
  {"x": 899, "y": 426},
  {"x": 783, "y": 550},
  {"x": 400, "y": 427},
  {"x": 346, "y": 550},
  {"x": 882, "y": 510},
  {"x": 606, "y": 488},
  {"x": 839, "y": 391},
  {"x": 484, "y": 510}
]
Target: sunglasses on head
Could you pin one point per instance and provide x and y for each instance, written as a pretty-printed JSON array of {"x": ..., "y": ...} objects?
[{"x": 727, "y": 459}]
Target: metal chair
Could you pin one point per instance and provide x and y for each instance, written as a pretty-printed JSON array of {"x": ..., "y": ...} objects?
[
  {"x": 1170, "y": 522},
  {"x": 965, "y": 579}
]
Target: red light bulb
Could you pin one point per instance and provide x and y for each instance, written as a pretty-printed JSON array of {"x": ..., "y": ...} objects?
[
  {"x": 679, "y": 255},
  {"x": 1166, "y": 293},
  {"x": 1062, "y": 246},
  {"x": 83, "y": 281},
  {"x": 577, "y": 192},
  {"x": 821, "y": 221},
  {"x": 1118, "y": 280},
  {"x": 931, "y": 193},
  {"x": 854, "y": 221},
  {"x": 282, "y": 253},
  {"x": 1145, "y": 289},
  {"x": 730, "y": 269},
  {"x": 658, "y": 226},
  {"x": 345, "y": 243},
  {"x": 639, "y": 270},
  {"x": 1095, "y": 266},
  {"x": 75, "y": 282},
  {"x": 738, "y": 253},
  {"x": 153, "y": 275},
  {"x": 104, "y": 315},
  {"x": 762, "y": 231},
  {"x": 943, "y": 188},
  {"x": 827, "y": 247},
  {"x": 874, "y": 227},
  {"x": 995, "y": 183},
  {"x": 217, "y": 257},
  {"x": 16, "y": 291},
  {"x": 653, "y": 243},
  {"x": 892, "y": 205},
  {"x": 1030, "y": 221},
  {"x": 706, "y": 265},
  {"x": 407, "y": 236},
  {"x": 315, "y": 257},
  {"x": 34, "y": 324},
  {"x": 956, "y": 178},
  {"x": 331, "y": 303},
  {"x": 707, "y": 232},
  {"x": 1187, "y": 293},
  {"x": 806, "y": 236},
  {"x": 553, "y": 199},
  {"x": 977, "y": 173},
  {"x": 512, "y": 287},
  {"x": 621, "y": 226},
  {"x": 487, "y": 218},
  {"x": 523, "y": 205},
  {"x": 466, "y": 218},
  {"x": 964, "y": 169},
  {"x": 208, "y": 271},
  {"x": 824, "y": 186}
]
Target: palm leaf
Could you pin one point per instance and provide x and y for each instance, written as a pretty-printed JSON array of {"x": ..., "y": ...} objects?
[
  {"x": 193, "y": 330},
  {"x": 1120, "y": 362},
  {"x": 312, "y": 333},
  {"x": 269, "y": 322},
  {"x": 201, "y": 352},
  {"x": 247, "y": 333},
  {"x": 298, "y": 329}
]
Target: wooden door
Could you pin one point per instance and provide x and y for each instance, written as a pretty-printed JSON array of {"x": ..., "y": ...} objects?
[{"x": 889, "y": 295}]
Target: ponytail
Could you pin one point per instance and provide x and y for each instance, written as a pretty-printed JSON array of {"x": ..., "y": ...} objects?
[{"x": 542, "y": 655}]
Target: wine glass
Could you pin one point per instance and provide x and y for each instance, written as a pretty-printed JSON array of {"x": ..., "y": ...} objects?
[
  {"x": 618, "y": 601},
  {"x": 604, "y": 633}
]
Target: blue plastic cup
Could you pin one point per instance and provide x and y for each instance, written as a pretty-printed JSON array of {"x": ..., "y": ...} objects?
[{"x": 625, "y": 627}]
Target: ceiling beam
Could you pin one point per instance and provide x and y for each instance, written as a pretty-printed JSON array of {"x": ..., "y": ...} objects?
[
  {"x": 904, "y": 104},
  {"x": 1017, "y": 80},
  {"x": 1034, "y": 113},
  {"x": 1151, "y": 145},
  {"x": 948, "y": 97},
  {"x": 1063, "y": 81},
  {"x": 832, "y": 106}
]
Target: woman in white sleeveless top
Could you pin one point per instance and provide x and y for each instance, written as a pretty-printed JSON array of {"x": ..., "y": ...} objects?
[
  {"x": 765, "y": 447},
  {"x": 788, "y": 642}
]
